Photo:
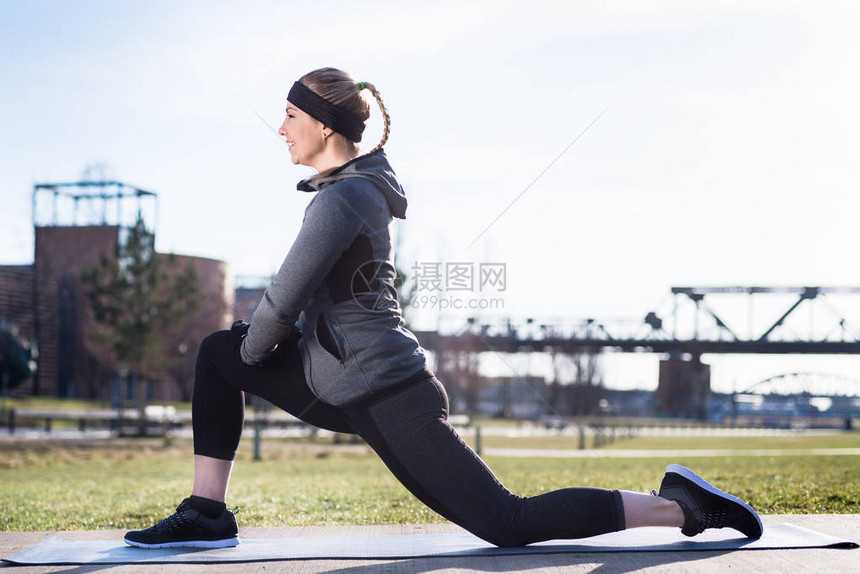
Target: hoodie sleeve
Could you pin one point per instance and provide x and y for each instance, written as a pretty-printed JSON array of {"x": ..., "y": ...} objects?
[{"x": 330, "y": 226}]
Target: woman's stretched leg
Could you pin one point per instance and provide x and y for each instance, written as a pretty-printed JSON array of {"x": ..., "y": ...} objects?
[
  {"x": 218, "y": 405},
  {"x": 410, "y": 432}
]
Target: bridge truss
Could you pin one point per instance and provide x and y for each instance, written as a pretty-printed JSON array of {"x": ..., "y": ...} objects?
[{"x": 699, "y": 320}]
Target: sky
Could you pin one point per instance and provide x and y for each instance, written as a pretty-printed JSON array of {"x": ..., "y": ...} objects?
[{"x": 601, "y": 151}]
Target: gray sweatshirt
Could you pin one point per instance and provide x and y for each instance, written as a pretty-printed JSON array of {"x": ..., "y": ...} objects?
[{"x": 337, "y": 286}]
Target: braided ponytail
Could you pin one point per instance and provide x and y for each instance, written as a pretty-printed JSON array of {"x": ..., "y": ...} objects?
[{"x": 386, "y": 119}]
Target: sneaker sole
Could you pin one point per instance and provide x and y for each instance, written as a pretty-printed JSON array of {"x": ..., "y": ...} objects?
[
  {"x": 705, "y": 485},
  {"x": 223, "y": 543}
]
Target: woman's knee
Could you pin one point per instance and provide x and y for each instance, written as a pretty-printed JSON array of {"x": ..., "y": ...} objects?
[
  {"x": 212, "y": 362},
  {"x": 214, "y": 350},
  {"x": 215, "y": 342},
  {"x": 503, "y": 532}
]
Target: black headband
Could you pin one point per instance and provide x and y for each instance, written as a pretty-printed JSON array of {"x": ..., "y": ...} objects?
[{"x": 330, "y": 115}]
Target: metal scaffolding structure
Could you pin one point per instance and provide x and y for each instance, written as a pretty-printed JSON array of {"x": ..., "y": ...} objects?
[{"x": 85, "y": 203}]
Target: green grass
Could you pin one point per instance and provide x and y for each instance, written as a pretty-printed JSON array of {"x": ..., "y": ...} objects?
[
  {"x": 130, "y": 485},
  {"x": 53, "y": 403},
  {"x": 789, "y": 441},
  {"x": 47, "y": 402},
  {"x": 778, "y": 442}
]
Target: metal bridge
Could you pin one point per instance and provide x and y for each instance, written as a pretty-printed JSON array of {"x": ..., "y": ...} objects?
[
  {"x": 801, "y": 393},
  {"x": 800, "y": 383},
  {"x": 802, "y": 320}
]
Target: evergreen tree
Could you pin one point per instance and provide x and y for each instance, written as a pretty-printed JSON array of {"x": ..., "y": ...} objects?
[
  {"x": 405, "y": 292},
  {"x": 406, "y": 289},
  {"x": 138, "y": 302}
]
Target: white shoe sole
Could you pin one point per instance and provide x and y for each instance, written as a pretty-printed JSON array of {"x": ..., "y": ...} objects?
[
  {"x": 702, "y": 483},
  {"x": 223, "y": 543}
]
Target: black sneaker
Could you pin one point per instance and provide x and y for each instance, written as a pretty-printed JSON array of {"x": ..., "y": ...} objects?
[
  {"x": 188, "y": 528},
  {"x": 705, "y": 506}
]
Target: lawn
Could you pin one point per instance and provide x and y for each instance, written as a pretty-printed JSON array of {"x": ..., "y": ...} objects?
[
  {"x": 131, "y": 484},
  {"x": 789, "y": 441}
]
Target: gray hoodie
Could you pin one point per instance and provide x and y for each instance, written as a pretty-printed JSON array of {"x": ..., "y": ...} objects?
[{"x": 337, "y": 282}]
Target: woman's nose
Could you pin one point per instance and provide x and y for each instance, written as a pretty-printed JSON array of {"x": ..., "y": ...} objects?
[{"x": 282, "y": 131}]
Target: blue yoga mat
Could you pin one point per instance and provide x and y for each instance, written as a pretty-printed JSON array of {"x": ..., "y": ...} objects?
[{"x": 57, "y": 550}]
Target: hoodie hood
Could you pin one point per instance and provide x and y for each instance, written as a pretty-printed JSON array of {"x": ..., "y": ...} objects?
[{"x": 373, "y": 167}]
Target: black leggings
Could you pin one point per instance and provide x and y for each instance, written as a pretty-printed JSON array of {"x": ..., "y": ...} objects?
[{"x": 409, "y": 430}]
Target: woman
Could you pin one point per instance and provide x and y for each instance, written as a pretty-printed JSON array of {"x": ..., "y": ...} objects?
[{"x": 327, "y": 344}]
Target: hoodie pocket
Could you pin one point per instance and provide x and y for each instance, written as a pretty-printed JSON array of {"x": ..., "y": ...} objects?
[{"x": 326, "y": 340}]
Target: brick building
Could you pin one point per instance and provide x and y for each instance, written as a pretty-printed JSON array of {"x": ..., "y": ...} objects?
[
  {"x": 47, "y": 302},
  {"x": 684, "y": 387}
]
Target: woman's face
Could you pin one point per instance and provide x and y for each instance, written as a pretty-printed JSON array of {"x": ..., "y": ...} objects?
[{"x": 304, "y": 136}]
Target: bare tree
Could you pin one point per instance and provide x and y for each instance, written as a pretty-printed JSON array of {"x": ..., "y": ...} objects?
[{"x": 577, "y": 385}]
